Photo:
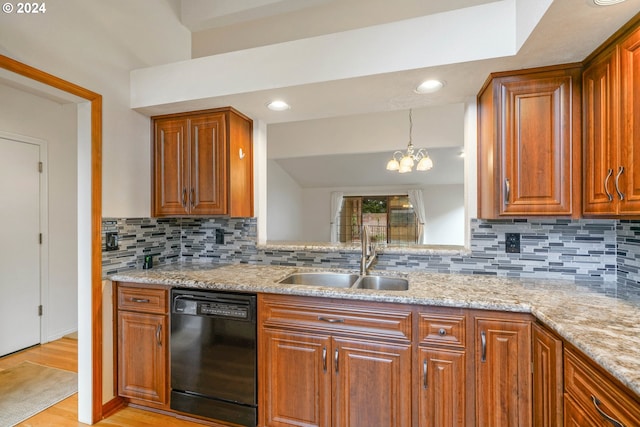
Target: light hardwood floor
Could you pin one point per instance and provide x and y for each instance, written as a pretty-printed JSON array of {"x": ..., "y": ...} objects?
[{"x": 63, "y": 354}]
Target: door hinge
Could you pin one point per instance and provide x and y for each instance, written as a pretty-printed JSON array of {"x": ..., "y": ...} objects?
[
  {"x": 40, "y": 167},
  {"x": 40, "y": 310},
  {"x": 40, "y": 238}
]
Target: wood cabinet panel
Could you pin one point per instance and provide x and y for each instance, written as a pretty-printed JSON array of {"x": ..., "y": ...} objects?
[
  {"x": 529, "y": 143},
  {"x": 437, "y": 329},
  {"x": 629, "y": 181},
  {"x": 313, "y": 314},
  {"x": 443, "y": 391},
  {"x": 171, "y": 165},
  {"x": 576, "y": 417},
  {"x": 143, "y": 357},
  {"x": 372, "y": 384},
  {"x": 503, "y": 372},
  {"x": 547, "y": 379},
  {"x": 207, "y": 195},
  {"x": 297, "y": 379}
]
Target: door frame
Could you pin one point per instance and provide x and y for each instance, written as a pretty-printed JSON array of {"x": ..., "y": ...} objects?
[
  {"x": 44, "y": 225},
  {"x": 94, "y": 368}
]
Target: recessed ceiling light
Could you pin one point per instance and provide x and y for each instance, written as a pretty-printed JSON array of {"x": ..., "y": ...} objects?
[
  {"x": 278, "y": 105},
  {"x": 607, "y": 2},
  {"x": 429, "y": 86}
]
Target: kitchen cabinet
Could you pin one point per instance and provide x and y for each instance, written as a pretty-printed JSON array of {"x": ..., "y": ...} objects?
[
  {"x": 547, "y": 378},
  {"x": 202, "y": 164},
  {"x": 593, "y": 398},
  {"x": 503, "y": 370},
  {"x": 529, "y": 143},
  {"x": 334, "y": 363},
  {"x": 443, "y": 368},
  {"x": 611, "y": 87},
  {"x": 142, "y": 344}
]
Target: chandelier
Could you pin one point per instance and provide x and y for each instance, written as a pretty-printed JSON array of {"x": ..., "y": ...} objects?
[{"x": 404, "y": 162}]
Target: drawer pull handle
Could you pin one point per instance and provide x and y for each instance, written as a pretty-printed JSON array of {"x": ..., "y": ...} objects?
[
  {"x": 483, "y": 341},
  {"x": 324, "y": 359},
  {"x": 606, "y": 185},
  {"x": 442, "y": 332},
  {"x": 620, "y": 193},
  {"x": 327, "y": 319},
  {"x": 425, "y": 383},
  {"x": 184, "y": 197},
  {"x": 140, "y": 300},
  {"x": 613, "y": 421},
  {"x": 335, "y": 356},
  {"x": 159, "y": 335}
]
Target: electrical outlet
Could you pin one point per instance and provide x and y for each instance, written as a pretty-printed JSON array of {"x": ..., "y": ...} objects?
[
  {"x": 219, "y": 237},
  {"x": 512, "y": 243},
  {"x": 111, "y": 241}
]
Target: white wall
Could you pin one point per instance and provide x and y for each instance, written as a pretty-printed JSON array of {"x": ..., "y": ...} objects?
[
  {"x": 284, "y": 205},
  {"x": 29, "y": 115},
  {"x": 444, "y": 206},
  {"x": 95, "y": 44}
]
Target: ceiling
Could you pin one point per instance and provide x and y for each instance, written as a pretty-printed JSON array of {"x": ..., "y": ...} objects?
[{"x": 567, "y": 32}]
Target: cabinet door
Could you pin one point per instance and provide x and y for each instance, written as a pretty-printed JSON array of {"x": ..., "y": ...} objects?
[
  {"x": 372, "y": 384},
  {"x": 537, "y": 145},
  {"x": 503, "y": 373},
  {"x": 295, "y": 380},
  {"x": 207, "y": 193},
  {"x": 600, "y": 136},
  {"x": 142, "y": 356},
  {"x": 171, "y": 168},
  {"x": 629, "y": 177},
  {"x": 547, "y": 379},
  {"x": 442, "y": 388}
]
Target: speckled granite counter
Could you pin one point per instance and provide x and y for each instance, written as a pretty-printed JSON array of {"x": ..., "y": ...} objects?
[{"x": 605, "y": 328}]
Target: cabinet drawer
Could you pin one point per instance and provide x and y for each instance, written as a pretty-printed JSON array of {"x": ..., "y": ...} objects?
[
  {"x": 368, "y": 320},
  {"x": 143, "y": 299},
  {"x": 584, "y": 384},
  {"x": 442, "y": 330}
]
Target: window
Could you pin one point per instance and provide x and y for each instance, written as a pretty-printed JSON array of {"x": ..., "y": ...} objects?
[{"x": 390, "y": 219}]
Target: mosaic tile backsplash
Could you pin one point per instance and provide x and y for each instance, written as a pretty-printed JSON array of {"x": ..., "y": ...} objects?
[{"x": 605, "y": 252}]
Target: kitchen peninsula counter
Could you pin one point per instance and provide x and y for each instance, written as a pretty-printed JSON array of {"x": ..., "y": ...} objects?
[{"x": 605, "y": 328}]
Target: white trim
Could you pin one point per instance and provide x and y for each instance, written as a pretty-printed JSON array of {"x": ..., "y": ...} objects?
[{"x": 44, "y": 226}]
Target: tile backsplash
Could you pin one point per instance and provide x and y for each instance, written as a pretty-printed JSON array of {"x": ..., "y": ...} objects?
[{"x": 604, "y": 252}]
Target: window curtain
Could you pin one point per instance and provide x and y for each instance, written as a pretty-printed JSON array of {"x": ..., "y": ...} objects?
[
  {"x": 417, "y": 200},
  {"x": 336, "y": 205}
]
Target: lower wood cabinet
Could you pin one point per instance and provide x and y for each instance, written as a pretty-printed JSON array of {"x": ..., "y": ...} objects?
[
  {"x": 592, "y": 398},
  {"x": 547, "y": 378},
  {"x": 443, "y": 387},
  {"x": 503, "y": 371},
  {"x": 143, "y": 345},
  {"x": 333, "y": 376}
]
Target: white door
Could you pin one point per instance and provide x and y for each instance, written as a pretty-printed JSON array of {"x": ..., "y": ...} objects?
[{"x": 19, "y": 245}]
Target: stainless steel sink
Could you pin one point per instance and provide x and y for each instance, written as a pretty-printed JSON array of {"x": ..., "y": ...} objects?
[
  {"x": 332, "y": 280},
  {"x": 347, "y": 280},
  {"x": 382, "y": 283}
]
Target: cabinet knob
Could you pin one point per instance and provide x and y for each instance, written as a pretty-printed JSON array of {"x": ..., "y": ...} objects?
[{"x": 442, "y": 332}]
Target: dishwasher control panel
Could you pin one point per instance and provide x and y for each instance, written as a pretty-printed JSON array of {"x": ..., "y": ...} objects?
[{"x": 211, "y": 308}]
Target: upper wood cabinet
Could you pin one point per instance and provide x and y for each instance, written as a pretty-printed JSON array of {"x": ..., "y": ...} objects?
[
  {"x": 202, "y": 164},
  {"x": 611, "y": 93},
  {"x": 529, "y": 143}
]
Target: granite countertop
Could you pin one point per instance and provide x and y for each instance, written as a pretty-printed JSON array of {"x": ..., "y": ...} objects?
[{"x": 605, "y": 328}]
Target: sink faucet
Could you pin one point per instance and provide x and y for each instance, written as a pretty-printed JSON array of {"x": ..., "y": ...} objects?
[{"x": 368, "y": 251}]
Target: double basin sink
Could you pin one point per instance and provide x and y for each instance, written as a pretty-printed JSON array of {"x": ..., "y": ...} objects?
[{"x": 347, "y": 280}]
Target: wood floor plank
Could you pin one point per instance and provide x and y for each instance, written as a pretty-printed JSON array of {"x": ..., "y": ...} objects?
[{"x": 63, "y": 354}]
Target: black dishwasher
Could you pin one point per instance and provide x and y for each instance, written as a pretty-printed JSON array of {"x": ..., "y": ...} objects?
[{"x": 213, "y": 355}]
